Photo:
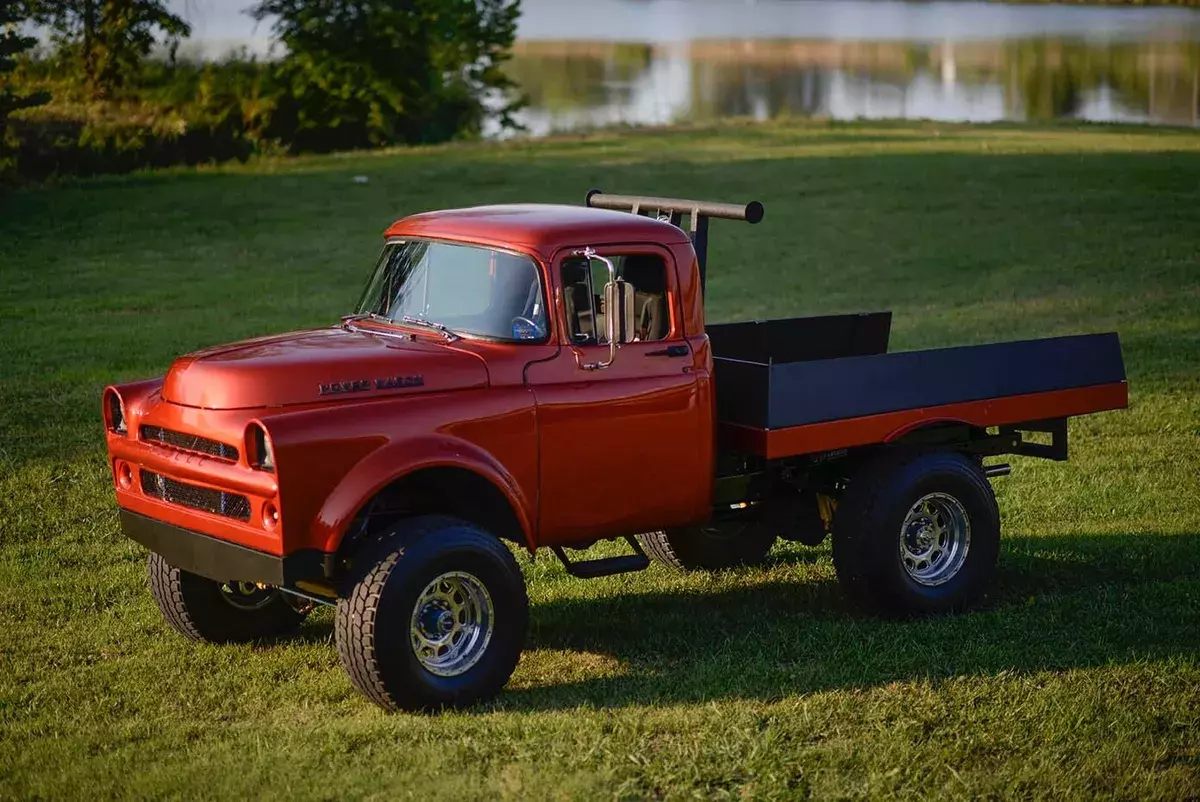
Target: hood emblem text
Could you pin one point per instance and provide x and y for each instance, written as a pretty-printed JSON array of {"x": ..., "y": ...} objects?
[{"x": 362, "y": 385}]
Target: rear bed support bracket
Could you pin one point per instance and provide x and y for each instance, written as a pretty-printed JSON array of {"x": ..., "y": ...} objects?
[{"x": 1056, "y": 449}]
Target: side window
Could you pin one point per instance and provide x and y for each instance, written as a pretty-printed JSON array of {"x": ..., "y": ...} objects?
[{"x": 583, "y": 296}]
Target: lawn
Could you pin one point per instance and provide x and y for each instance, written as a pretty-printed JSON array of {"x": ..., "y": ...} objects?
[{"x": 1078, "y": 677}]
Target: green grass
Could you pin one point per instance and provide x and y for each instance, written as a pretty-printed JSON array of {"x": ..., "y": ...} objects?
[{"x": 1079, "y": 677}]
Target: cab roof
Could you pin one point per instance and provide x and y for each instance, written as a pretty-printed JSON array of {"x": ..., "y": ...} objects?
[{"x": 541, "y": 228}]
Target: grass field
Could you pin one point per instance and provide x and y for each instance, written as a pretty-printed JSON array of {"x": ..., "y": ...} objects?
[{"x": 1079, "y": 677}]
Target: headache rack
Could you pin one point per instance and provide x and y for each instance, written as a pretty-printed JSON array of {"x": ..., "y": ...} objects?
[{"x": 672, "y": 210}]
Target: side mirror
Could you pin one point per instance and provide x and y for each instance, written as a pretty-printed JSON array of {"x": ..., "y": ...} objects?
[{"x": 619, "y": 323}]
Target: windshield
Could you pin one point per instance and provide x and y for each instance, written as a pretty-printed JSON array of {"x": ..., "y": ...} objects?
[{"x": 470, "y": 291}]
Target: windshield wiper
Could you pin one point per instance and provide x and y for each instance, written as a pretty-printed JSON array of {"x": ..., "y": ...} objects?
[
  {"x": 349, "y": 319},
  {"x": 429, "y": 324}
]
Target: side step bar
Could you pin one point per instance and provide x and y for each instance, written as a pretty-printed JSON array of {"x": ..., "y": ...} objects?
[{"x": 606, "y": 566}]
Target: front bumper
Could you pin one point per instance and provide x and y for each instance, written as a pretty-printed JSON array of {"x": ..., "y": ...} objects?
[{"x": 219, "y": 559}]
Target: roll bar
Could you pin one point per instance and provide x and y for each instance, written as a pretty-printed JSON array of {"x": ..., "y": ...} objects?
[{"x": 673, "y": 209}]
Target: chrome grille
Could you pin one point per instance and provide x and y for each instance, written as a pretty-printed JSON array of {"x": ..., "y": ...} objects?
[
  {"x": 231, "y": 505},
  {"x": 189, "y": 442}
]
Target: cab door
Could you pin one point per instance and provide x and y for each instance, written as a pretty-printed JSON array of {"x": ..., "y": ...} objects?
[{"x": 626, "y": 448}]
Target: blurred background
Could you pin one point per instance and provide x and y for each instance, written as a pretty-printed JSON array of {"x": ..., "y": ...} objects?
[
  {"x": 654, "y": 62},
  {"x": 208, "y": 80},
  {"x": 665, "y": 61}
]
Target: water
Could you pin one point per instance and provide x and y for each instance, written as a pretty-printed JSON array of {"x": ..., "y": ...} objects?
[{"x": 592, "y": 63}]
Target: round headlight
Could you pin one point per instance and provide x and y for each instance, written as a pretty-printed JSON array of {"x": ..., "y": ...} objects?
[
  {"x": 115, "y": 412},
  {"x": 261, "y": 453}
]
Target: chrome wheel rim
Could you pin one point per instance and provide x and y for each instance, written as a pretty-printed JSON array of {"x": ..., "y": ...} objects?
[
  {"x": 934, "y": 539},
  {"x": 248, "y": 595},
  {"x": 452, "y": 624}
]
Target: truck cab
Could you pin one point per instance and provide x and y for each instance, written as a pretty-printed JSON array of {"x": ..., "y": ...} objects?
[{"x": 543, "y": 376}]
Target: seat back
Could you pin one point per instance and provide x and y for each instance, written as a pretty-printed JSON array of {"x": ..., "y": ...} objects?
[{"x": 648, "y": 275}]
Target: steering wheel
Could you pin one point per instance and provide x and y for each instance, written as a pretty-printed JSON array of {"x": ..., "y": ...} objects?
[{"x": 532, "y": 326}]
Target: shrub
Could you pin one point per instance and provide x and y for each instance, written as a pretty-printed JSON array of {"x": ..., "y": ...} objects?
[{"x": 381, "y": 72}]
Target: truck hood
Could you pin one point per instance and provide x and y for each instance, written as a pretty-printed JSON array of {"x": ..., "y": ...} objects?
[{"x": 307, "y": 367}]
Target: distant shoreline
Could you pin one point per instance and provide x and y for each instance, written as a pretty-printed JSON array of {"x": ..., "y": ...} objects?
[
  {"x": 1181, "y": 3},
  {"x": 219, "y": 26}
]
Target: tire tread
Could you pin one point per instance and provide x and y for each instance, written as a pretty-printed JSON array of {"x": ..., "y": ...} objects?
[
  {"x": 657, "y": 546},
  {"x": 357, "y": 619},
  {"x": 166, "y": 588},
  {"x": 192, "y": 607},
  {"x": 690, "y": 549},
  {"x": 857, "y": 536}
]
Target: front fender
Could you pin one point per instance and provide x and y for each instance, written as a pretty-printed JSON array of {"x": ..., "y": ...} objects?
[
  {"x": 330, "y": 460},
  {"x": 399, "y": 459},
  {"x": 135, "y": 397}
]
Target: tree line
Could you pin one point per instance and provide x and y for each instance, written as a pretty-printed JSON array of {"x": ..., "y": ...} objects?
[{"x": 106, "y": 91}]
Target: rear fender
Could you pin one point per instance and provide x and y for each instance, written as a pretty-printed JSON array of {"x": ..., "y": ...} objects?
[
  {"x": 905, "y": 431},
  {"x": 401, "y": 458}
]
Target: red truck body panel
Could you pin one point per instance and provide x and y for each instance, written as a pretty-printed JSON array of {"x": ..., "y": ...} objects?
[
  {"x": 526, "y": 417},
  {"x": 535, "y": 228},
  {"x": 577, "y": 454},
  {"x": 500, "y": 391}
]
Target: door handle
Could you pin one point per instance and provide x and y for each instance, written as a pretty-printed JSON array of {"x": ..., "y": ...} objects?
[{"x": 670, "y": 350}]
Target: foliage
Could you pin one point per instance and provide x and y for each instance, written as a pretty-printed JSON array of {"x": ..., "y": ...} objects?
[
  {"x": 12, "y": 98},
  {"x": 100, "y": 44},
  {"x": 360, "y": 73},
  {"x": 184, "y": 113},
  {"x": 61, "y": 142},
  {"x": 1080, "y": 678},
  {"x": 388, "y": 71}
]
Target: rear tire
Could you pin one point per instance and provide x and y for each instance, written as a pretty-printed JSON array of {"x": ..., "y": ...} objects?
[
  {"x": 710, "y": 547},
  {"x": 219, "y": 612},
  {"x": 436, "y": 616},
  {"x": 917, "y": 533}
]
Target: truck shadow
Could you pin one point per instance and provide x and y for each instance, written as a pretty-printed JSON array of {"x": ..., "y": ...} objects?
[{"x": 1057, "y": 603}]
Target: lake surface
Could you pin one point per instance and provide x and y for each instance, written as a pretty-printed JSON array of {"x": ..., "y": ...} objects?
[{"x": 593, "y": 63}]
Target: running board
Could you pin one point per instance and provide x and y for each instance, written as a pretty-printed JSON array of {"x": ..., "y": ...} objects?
[{"x": 606, "y": 566}]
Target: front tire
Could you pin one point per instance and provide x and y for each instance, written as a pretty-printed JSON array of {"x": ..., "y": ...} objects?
[
  {"x": 219, "y": 612},
  {"x": 435, "y": 618},
  {"x": 917, "y": 533}
]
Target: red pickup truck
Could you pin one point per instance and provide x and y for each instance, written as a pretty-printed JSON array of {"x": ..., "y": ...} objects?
[{"x": 530, "y": 376}]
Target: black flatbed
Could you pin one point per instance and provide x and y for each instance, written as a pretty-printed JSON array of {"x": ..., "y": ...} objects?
[{"x": 776, "y": 374}]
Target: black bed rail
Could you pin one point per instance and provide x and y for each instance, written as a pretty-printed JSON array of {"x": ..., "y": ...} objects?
[{"x": 673, "y": 209}]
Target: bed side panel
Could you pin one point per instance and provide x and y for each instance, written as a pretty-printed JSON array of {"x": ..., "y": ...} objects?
[{"x": 804, "y": 393}]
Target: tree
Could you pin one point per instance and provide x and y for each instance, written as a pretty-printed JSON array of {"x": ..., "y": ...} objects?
[
  {"x": 102, "y": 42},
  {"x": 359, "y": 73},
  {"x": 12, "y": 45}
]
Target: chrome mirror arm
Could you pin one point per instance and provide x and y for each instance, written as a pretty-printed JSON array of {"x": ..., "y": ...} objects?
[{"x": 589, "y": 254}]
